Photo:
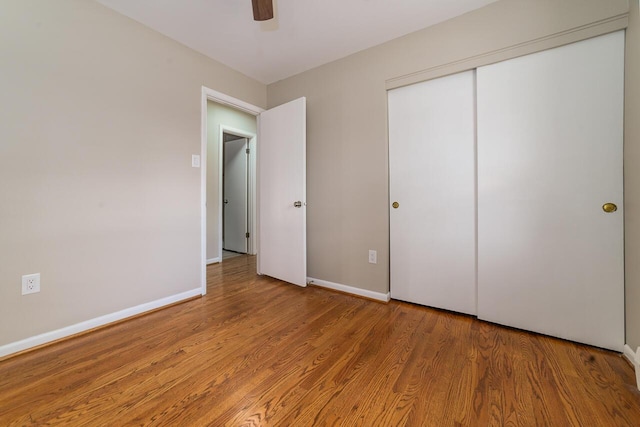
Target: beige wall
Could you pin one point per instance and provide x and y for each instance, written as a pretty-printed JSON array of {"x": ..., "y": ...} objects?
[
  {"x": 100, "y": 117},
  {"x": 347, "y": 145},
  {"x": 219, "y": 114},
  {"x": 632, "y": 178}
]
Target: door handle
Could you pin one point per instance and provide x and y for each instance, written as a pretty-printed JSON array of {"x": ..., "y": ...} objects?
[
  {"x": 297, "y": 204},
  {"x": 609, "y": 207}
]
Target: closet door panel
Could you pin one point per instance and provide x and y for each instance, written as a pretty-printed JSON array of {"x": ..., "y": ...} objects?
[
  {"x": 432, "y": 178},
  {"x": 550, "y": 259}
]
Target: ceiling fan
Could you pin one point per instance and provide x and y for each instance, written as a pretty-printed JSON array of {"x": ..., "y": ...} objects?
[{"x": 262, "y": 10}]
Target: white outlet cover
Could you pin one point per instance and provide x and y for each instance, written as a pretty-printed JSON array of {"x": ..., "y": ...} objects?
[
  {"x": 195, "y": 161},
  {"x": 30, "y": 283}
]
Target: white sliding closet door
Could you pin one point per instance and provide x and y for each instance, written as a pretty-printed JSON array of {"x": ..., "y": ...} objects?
[
  {"x": 550, "y": 259},
  {"x": 432, "y": 178}
]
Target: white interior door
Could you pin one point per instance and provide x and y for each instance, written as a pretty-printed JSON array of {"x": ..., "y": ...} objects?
[
  {"x": 550, "y": 259},
  {"x": 282, "y": 220},
  {"x": 235, "y": 195},
  {"x": 432, "y": 178}
]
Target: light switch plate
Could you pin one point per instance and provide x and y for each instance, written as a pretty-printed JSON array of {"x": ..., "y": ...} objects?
[{"x": 195, "y": 160}]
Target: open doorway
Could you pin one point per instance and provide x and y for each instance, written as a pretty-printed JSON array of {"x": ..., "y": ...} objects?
[
  {"x": 220, "y": 113},
  {"x": 282, "y": 239},
  {"x": 236, "y": 178},
  {"x": 228, "y": 224},
  {"x": 238, "y": 207}
]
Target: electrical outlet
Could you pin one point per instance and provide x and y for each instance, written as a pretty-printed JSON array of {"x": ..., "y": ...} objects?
[
  {"x": 373, "y": 256},
  {"x": 30, "y": 283}
]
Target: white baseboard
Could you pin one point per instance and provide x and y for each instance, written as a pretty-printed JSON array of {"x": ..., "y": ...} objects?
[
  {"x": 37, "y": 340},
  {"x": 349, "y": 289},
  {"x": 629, "y": 354},
  {"x": 213, "y": 260},
  {"x": 634, "y": 358}
]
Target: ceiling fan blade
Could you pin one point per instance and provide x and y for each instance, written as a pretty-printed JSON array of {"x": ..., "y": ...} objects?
[{"x": 262, "y": 10}]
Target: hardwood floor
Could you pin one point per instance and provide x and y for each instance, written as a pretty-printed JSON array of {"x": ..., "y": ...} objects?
[{"x": 257, "y": 352}]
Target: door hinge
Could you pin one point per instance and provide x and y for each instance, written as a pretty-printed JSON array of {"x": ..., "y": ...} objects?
[
  {"x": 246, "y": 235},
  {"x": 248, "y": 151}
]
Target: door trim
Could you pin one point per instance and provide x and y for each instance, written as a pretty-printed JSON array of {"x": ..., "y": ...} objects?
[
  {"x": 551, "y": 41},
  {"x": 221, "y": 98},
  {"x": 251, "y": 186}
]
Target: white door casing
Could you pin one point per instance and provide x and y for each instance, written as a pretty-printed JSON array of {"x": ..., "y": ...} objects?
[
  {"x": 432, "y": 177},
  {"x": 252, "y": 177},
  {"x": 550, "y": 259},
  {"x": 235, "y": 195},
  {"x": 282, "y": 238}
]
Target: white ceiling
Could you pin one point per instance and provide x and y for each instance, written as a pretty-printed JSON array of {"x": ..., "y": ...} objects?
[{"x": 304, "y": 33}]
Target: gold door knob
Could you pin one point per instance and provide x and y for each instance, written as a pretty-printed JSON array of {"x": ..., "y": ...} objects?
[
  {"x": 395, "y": 205},
  {"x": 609, "y": 207}
]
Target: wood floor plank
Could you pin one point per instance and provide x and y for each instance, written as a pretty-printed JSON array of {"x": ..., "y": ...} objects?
[{"x": 258, "y": 352}]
